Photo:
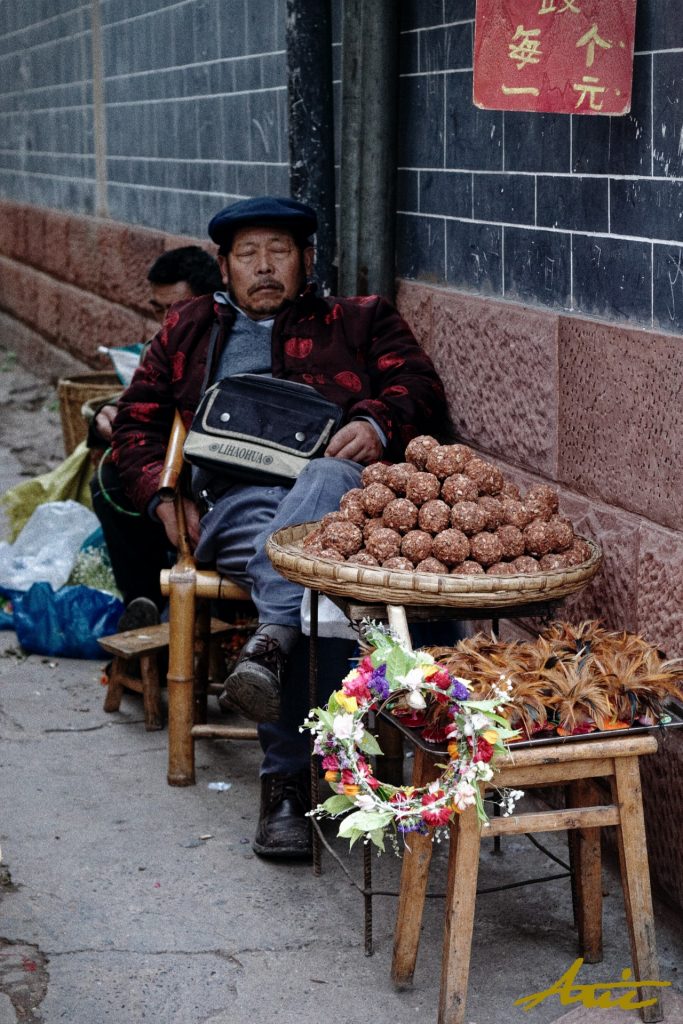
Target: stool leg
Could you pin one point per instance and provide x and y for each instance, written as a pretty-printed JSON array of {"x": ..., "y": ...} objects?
[
  {"x": 461, "y": 896},
  {"x": 151, "y": 691},
  {"x": 635, "y": 879},
  {"x": 587, "y": 864},
  {"x": 112, "y": 698},
  {"x": 181, "y": 678},
  {"x": 414, "y": 876}
]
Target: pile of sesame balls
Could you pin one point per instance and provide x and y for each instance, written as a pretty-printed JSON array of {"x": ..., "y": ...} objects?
[{"x": 446, "y": 510}]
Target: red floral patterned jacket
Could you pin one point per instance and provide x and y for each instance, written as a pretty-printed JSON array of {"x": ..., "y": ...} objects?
[{"x": 357, "y": 352}]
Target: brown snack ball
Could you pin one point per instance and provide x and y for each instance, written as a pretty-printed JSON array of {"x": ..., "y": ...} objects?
[
  {"x": 419, "y": 448},
  {"x": 538, "y": 538},
  {"x": 469, "y": 517},
  {"x": 542, "y": 501},
  {"x": 400, "y": 514},
  {"x": 434, "y": 516},
  {"x": 351, "y": 505},
  {"x": 421, "y": 487},
  {"x": 313, "y": 538},
  {"x": 579, "y": 552},
  {"x": 397, "y": 562},
  {"x": 362, "y": 558},
  {"x": 500, "y": 569},
  {"x": 431, "y": 565},
  {"x": 467, "y": 568},
  {"x": 458, "y": 487},
  {"x": 486, "y": 476},
  {"x": 562, "y": 531},
  {"x": 512, "y": 541},
  {"x": 485, "y": 548},
  {"x": 371, "y": 525},
  {"x": 554, "y": 561},
  {"x": 525, "y": 564},
  {"x": 331, "y": 554},
  {"x": 397, "y": 476},
  {"x": 374, "y": 473},
  {"x": 515, "y": 513},
  {"x": 332, "y": 517},
  {"x": 494, "y": 511},
  {"x": 510, "y": 490},
  {"x": 375, "y": 497},
  {"x": 451, "y": 547},
  {"x": 448, "y": 459},
  {"x": 383, "y": 544},
  {"x": 344, "y": 537},
  {"x": 416, "y": 545}
]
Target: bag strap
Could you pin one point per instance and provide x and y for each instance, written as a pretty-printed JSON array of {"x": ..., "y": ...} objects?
[{"x": 213, "y": 341}]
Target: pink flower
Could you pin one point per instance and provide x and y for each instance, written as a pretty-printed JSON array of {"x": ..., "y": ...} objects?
[
  {"x": 357, "y": 688},
  {"x": 433, "y": 815},
  {"x": 331, "y": 763}
]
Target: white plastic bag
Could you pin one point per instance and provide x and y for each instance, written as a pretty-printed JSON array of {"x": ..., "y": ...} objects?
[{"x": 46, "y": 548}]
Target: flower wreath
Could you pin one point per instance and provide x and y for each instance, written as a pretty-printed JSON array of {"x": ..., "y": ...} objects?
[{"x": 476, "y": 733}]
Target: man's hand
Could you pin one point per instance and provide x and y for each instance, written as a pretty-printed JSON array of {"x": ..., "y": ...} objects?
[
  {"x": 104, "y": 421},
  {"x": 358, "y": 441},
  {"x": 166, "y": 514}
]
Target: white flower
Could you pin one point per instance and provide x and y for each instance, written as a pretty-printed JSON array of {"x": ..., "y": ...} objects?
[
  {"x": 412, "y": 680},
  {"x": 416, "y": 700},
  {"x": 464, "y": 796},
  {"x": 365, "y": 802},
  {"x": 345, "y": 727}
]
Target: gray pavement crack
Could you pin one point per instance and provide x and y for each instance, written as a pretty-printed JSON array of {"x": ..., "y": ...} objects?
[{"x": 94, "y": 728}]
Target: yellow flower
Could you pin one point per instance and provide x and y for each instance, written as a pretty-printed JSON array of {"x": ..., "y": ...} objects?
[
  {"x": 491, "y": 736},
  {"x": 331, "y": 776},
  {"x": 353, "y": 674},
  {"x": 349, "y": 704},
  {"x": 351, "y": 790},
  {"x": 453, "y": 749},
  {"x": 430, "y": 670}
]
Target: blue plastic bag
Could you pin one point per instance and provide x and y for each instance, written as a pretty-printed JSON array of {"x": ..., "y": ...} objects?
[{"x": 66, "y": 622}]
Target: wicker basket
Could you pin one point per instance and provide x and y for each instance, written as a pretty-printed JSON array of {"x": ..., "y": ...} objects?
[
  {"x": 401, "y": 587},
  {"x": 73, "y": 392}
]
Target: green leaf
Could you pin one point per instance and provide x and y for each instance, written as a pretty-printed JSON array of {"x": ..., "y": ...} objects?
[
  {"x": 337, "y": 804},
  {"x": 369, "y": 745},
  {"x": 377, "y": 837},
  {"x": 364, "y": 821}
]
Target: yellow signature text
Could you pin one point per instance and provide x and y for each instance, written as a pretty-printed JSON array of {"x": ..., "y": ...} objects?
[{"x": 598, "y": 996}]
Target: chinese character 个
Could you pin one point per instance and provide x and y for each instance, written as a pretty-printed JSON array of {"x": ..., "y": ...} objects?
[
  {"x": 528, "y": 49},
  {"x": 590, "y": 40},
  {"x": 590, "y": 89},
  {"x": 548, "y": 7}
]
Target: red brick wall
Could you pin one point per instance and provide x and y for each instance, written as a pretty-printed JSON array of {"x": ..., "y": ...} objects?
[{"x": 592, "y": 408}]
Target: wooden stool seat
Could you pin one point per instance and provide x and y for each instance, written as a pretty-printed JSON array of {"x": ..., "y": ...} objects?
[
  {"x": 574, "y": 766},
  {"x": 146, "y": 644}
]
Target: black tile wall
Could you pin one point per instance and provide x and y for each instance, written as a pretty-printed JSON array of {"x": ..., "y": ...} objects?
[{"x": 583, "y": 212}]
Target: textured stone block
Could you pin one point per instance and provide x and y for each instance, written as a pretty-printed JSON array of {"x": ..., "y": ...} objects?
[
  {"x": 414, "y": 303},
  {"x": 620, "y": 418},
  {"x": 660, "y": 588},
  {"x": 662, "y": 777},
  {"x": 33, "y": 351},
  {"x": 124, "y": 256},
  {"x": 499, "y": 366},
  {"x": 611, "y": 595}
]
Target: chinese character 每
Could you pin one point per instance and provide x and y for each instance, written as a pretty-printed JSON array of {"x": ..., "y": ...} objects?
[{"x": 528, "y": 49}]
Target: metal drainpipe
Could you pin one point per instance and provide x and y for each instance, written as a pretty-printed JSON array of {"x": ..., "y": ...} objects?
[
  {"x": 369, "y": 111},
  {"x": 311, "y": 123}
]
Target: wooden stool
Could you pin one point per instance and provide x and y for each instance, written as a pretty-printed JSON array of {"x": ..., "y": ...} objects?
[
  {"x": 146, "y": 644},
  {"x": 565, "y": 764}
]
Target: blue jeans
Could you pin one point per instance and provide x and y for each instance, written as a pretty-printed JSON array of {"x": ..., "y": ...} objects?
[{"x": 233, "y": 536}]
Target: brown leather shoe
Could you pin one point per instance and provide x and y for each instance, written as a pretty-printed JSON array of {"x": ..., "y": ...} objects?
[
  {"x": 283, "y": 829},
  {"x": 253, "y": 686}
]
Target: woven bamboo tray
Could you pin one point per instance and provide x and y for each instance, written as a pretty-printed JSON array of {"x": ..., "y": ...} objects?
[{"x": 401, "y": 587}]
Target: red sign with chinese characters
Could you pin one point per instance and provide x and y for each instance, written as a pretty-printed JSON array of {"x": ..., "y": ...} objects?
[{"x": 558, "y": 56}]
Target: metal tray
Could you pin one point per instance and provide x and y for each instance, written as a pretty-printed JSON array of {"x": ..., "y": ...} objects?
[{"x": 673, "y": 708}]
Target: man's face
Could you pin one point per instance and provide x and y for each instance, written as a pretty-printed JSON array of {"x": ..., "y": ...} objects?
[
  {"x": 264, "y": 269},
  {"x": 164, "y": 295}
]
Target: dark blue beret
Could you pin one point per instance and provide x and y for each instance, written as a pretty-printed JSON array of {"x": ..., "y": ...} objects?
[{"x": 296, "y": 217}]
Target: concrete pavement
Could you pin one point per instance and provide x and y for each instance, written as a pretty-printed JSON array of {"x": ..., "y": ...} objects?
[{"x": 124, "y": 900}]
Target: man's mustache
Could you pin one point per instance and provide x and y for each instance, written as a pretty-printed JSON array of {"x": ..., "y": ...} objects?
[{"x": 268, "y": 283}]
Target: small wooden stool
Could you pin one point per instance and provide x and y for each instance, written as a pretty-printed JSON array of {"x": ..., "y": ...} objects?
[
  {"x": 566, "y": 764},
  {"x": 146, "y": 644}
]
